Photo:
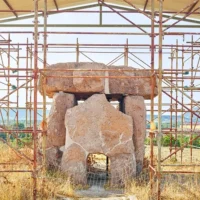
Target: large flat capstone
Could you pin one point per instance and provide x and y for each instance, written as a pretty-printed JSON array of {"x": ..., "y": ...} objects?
[{"x": 94, "y": 78}]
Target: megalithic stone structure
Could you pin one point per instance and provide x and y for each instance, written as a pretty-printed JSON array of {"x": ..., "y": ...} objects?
[
  {"x": 95, "y": 126},
  {"x": 63, "y": 77}
]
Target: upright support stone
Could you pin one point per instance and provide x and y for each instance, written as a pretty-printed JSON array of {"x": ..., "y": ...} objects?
[
  {"x": 74, "y": 163},
  {"x": 122, "y": 168},
  {"x": 94, "y": 127},
  {"x": 134, "y": 106},
  {"x": 55, "y": 126}
]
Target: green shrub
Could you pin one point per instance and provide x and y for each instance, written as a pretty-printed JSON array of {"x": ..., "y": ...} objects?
[
  {"x": 147, "y": 141},
  {"x": 166, "y": 140},
  {"x": 178, "y": 142}
]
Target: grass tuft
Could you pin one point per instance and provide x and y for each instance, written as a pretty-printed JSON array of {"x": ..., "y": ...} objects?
[{"x": 19, "y": 186}]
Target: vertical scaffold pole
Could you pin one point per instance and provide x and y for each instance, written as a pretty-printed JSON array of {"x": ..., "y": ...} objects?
[
  {"x": 191, "y": 94},
  {"x": 44, "y": 124},
  {"x": 159, "y": 136},
  {"x": 17, "y": 114},
  {"x": 152, "y": 96},
  {"x": 31, "y": 91},
  {"x": 177, "y": 86},
  {"x": 182, "y": 98},
  {"x": 171, "y": 101},
  {"x": 8, "y": 90},
  {"x": 126, "y": 53},
  {"x": 35, "y": 99},
  {"x": 27, "y": 85},
  {"x": 77, "y": 51}
]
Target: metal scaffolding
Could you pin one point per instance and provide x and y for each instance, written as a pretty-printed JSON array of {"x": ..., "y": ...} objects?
[{"x": 184, "y": 69}]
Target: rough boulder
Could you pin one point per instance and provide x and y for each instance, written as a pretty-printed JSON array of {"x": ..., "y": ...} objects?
[{"x": 95, "y": 126}]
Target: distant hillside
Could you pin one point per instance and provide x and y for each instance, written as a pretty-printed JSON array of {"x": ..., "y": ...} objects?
[
  {"x": 166, "y": 118},
  {"x": 22, "y": 116},
  {"x": 195, "y": 118}
]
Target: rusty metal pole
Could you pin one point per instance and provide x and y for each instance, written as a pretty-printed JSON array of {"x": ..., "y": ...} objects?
[
  {"x": 44, "y": 121},
  {"x": 17, "y": 116},
  {"x": 77, "y": 51},
  {"x": 152, "y": 94},
  {"x": 126, "y": 53},
  {"x": 182, "y": 115},
  {"x": 35, "y": 99},
  {"x": 100, "y": 13},
  {"x": 159, "y": 136},
  {"x": 31, "y": 91},
  {"x": 191, "y": 94},
  {"x": 8, "y": 89},
  {"x": 176, "y": 112},
  {"x": 27, "y": 73},
  {"x": 44, "y": 127},
  {"x": 171, "y": 101}
]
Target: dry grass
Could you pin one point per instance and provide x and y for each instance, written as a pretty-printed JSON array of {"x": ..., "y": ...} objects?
[
  {"x": 19, "y": 186},
  {"x": 174, "y": 186},
  {"x": 171, "y": 189},
  {"x": 178, "y": 191},
  {"x": 186, "y": 153},
  {"x": 140, "y": 190},
  {"x": 176, "y": 160}
]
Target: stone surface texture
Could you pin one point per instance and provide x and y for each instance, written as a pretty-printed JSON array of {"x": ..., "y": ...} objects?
[
  {"x": 134, "y": 106},
  {"x": 55, "y": 123},
  {"x": 74, "y": 163},
  {"x": 73, "y": 82},
  {"x": 95, "y": 126},
  {"x": 93, "y": 84},
  {"x": 53, "y": 157},
  {"x": 131, "y": 86}
]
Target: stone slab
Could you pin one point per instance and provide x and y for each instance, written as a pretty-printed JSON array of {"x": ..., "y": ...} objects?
[
  {"x": 97, "y": 127},
  {"x": 134, "y": 106},
  {"x": 55, "y": 122},
  {"x": 92, "y": 81}
]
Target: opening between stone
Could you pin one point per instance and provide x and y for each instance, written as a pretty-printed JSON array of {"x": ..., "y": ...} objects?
[{"x": 98, "y": 168}]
